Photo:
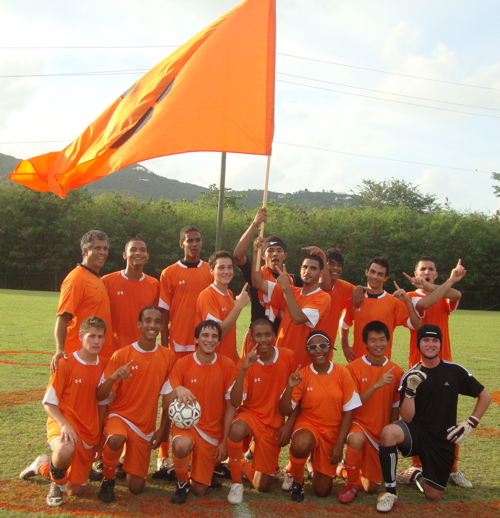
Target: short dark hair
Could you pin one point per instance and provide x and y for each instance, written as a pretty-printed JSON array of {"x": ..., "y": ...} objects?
[
  {"x": 211, "y": 324},
  {"x": 219, "y": 255},
  {"x": 314, "y": 257},
  {"x": 261, "y": 322},
  {"x": 381, "y": 261},
  {"x": 335, "y": 255},
  {"x": 135, "y": 239},
  {"x": 89, "y": 322},
  {"x": 186, "y": 230},
  {"x": 375, "y": 326},
  {"x": 143, "y": 310},
  {"x": 89, "y": 237},
  {"x": 426, "y": 258}
]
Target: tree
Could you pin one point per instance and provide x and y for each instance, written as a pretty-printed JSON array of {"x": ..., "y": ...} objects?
[
  {"x": 230, "y": 200},
  {"x": 496, "y": 188},
  {"x": 393, "y": 193}
]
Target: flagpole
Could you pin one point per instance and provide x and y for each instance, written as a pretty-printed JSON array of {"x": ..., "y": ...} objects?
[
  {"x": 220, "y": 208},
  {"x": 264, "y": 204}
]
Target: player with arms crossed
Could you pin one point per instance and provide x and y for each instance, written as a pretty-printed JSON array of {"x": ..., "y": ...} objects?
[
  {"x": 204, "y": 376},
  {"x": 74, "y": 424},
  {"x": 428, "y": 426},
  {"x": 262, "y": 376},
  {"x": 377, "y": 382}
]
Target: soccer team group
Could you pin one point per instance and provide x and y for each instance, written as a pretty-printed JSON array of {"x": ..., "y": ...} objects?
[{"x": 347, "y": 421}]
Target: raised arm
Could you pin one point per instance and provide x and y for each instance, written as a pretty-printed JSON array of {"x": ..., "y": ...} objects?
[
  {"x": 240, "y": 302},
  {"x": 296, "y": 313},
  {"x": 245, "y": 240},
  {"x": 401, "y": 294},
  {"x": 237, "y": 389},
  {"x": 258, "y": 281}
]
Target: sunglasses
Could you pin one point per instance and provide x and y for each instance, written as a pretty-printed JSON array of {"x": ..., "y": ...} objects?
[{"x": 313, "y": 347}]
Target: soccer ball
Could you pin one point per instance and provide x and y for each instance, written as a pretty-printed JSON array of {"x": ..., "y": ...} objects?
[{"x": 184, "y": 415}]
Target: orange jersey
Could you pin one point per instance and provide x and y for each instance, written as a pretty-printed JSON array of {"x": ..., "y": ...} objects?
[
  {"x": 127, "y": 299},
  {"x": 179, "y": 290},
  {"x": 264, "y": 384},
  {"x": 212, "y": 304},
  {"x": 135, "y": 399},
  {"x": 315, "y": 306},
  {"x": 324, "y": 398},
  {"x": 272, "y": 312},
  {"x": 210, "y": 384},
  {"x": 340, "y": 296},
  {"x": 375, "y": 413},
  {"x": 72, "y": 388},
  {"x": 83, "y": 295},
  {"x": 385, "y": 308},
  {"x": 438, "y": 314}
]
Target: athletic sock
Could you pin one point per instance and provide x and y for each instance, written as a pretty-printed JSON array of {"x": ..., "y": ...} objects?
[
  {"x": 353, "y": 461},
  {"x": 388, "y": 462},
  {"x": 164, "y": 450},
  {"x": 110, "y": 460},
  {"x": 181, "y": 468},
  {"x": 44, "y": 470},
  {"x": 297, "y": 469},
  {"x": 234, "y": 452},
  {"x": 247, "y": 470}
]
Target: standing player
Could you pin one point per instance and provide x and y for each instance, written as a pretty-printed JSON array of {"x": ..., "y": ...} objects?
[
  {"x": 217, "y": 302},
  {"x": 73, "y": 425},
  {"x": 129, "y": 291},
  {"x": 83, "y": 295},
  {"x": 303, "y": 308},
  {"x": 393, "y": 310},
  {"x": 377, "y": 382},
  {"x": 262, "y": 375},
  {"x": 429, "y": 429},
  {"x": 327, "y": 397},
  {"x": 207, "y": 377},
  {"x": 131, "y": 384}
]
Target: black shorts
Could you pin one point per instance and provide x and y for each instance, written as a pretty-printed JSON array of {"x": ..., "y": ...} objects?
[{"x": 437, "y": 455}]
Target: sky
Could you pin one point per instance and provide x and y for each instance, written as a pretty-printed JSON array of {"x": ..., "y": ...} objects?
[{"x": 364, "y": 90}]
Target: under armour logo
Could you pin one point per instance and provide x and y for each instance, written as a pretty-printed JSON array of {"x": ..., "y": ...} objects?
[
  {"x": 364, "y": 379},
  {"x": 78, "y": 381},
  {"x": 256, "y": 380},
  {"x": 193, "y": 381},
  {"x": 134, "y": 367},
  {"x": 182, "y": 282},
  {"x": 446, "y": 384},
  {"x": 223, "y": 309},
  {"x": 119, "y": 292},
  {"x": 309, "y": 388}
]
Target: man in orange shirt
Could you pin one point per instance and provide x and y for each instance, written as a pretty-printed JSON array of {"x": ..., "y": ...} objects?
[
  {"x": 217, "y": 302},
  {"x": 393, "y": 310},
  {"x": 129, "y": 291},
  {"x": 131, "y": 385},
  {"x": 377, "y": 382},
  {"x": 83, "y": 295},
  {"x": 303, "y": 308},
  {"x": 74, "y": 424},
  {"x": 207, "y": 377}
]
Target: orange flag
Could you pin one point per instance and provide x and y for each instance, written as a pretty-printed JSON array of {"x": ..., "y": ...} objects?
[{"x": 214, "y": 93}]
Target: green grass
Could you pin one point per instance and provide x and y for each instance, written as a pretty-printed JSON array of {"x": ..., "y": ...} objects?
[{"x": 27, "y": 325}]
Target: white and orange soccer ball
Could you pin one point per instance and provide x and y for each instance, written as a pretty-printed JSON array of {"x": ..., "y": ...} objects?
[{"x": 184, "y": 415}]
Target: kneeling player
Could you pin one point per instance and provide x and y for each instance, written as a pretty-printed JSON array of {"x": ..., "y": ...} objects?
[
  {"x": 429, "y": 429},
  {"x": 262, "y": 377},
  {"x": 204, "y": 376},
  {"x": 73, "y": 425},
  {"x": 377, "y": 381},
  {"x": 131, "y": 383}
]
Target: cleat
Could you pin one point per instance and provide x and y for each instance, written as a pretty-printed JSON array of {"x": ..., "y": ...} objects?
[
  {"x": 222, "y": 470},
  {"x": 164, "y": 473},
  {"x": 457, "y": 477},
  {"x": 181, "y": 493},
  {"x": 95, "y": 476},
  {"x": 408, "y": 476},
  {"x": 348, "y": 494},
  {"x": 235, "y": 495},
  {"x": 386, "y": 501},
  {"x": 297, "y": 492},
  {"x": 107, "y": 491},
  {"x": 341, "y": 471},
  {"x": 161, "y": 462},
  {"x": 55, "y": 495},
  {"x": 32, "y": 469},
  {"x": 287, "y": 482}
]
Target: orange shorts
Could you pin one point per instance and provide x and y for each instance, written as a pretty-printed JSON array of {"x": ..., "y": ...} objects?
[
  {"x": 81, "y": 461},
  {"x": 325, "y": 441},
  {"x": 266, "y": 454},
  {"x": 370, "y": 467},
  {"x": 203, "y": 456},
  {"x": 138, "y": 452}
]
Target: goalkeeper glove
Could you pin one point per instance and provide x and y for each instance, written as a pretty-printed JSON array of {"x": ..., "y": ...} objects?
[
  {"x": 457, "y": 433},
  {"x": 413, "y": 380}
]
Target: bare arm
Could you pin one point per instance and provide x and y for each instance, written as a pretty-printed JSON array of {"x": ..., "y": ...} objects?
[
  {"x": 245, "y": 240},
  {"x": 258, "y": 281},
  {"x": 384, "y": 379},
  {"x": 68, "y": 434},
  {"x": 237, "y": 390},
  {"x": 164, "y": 328},
  {"x": 296, "y": 313},
  {"x": 482, "y": 404},
  {"x": 345, "y": 426},
  {"x": 285, "y": 405},
  {"x": 60, "y": 332},
  {"x": 104, "y": 389},
  {"x": 401, "y": 294},
  {"x": 346, "y": 348},
  {"x": 407, "y": 409},
  {"x": 221, "y": 451}
]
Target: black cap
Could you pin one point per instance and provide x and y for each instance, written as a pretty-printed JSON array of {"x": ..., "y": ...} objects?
[{"x": 429, "y": 330}]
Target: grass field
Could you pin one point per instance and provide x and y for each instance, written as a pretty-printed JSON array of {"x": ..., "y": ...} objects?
[{"x": 26, "y": 326}]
